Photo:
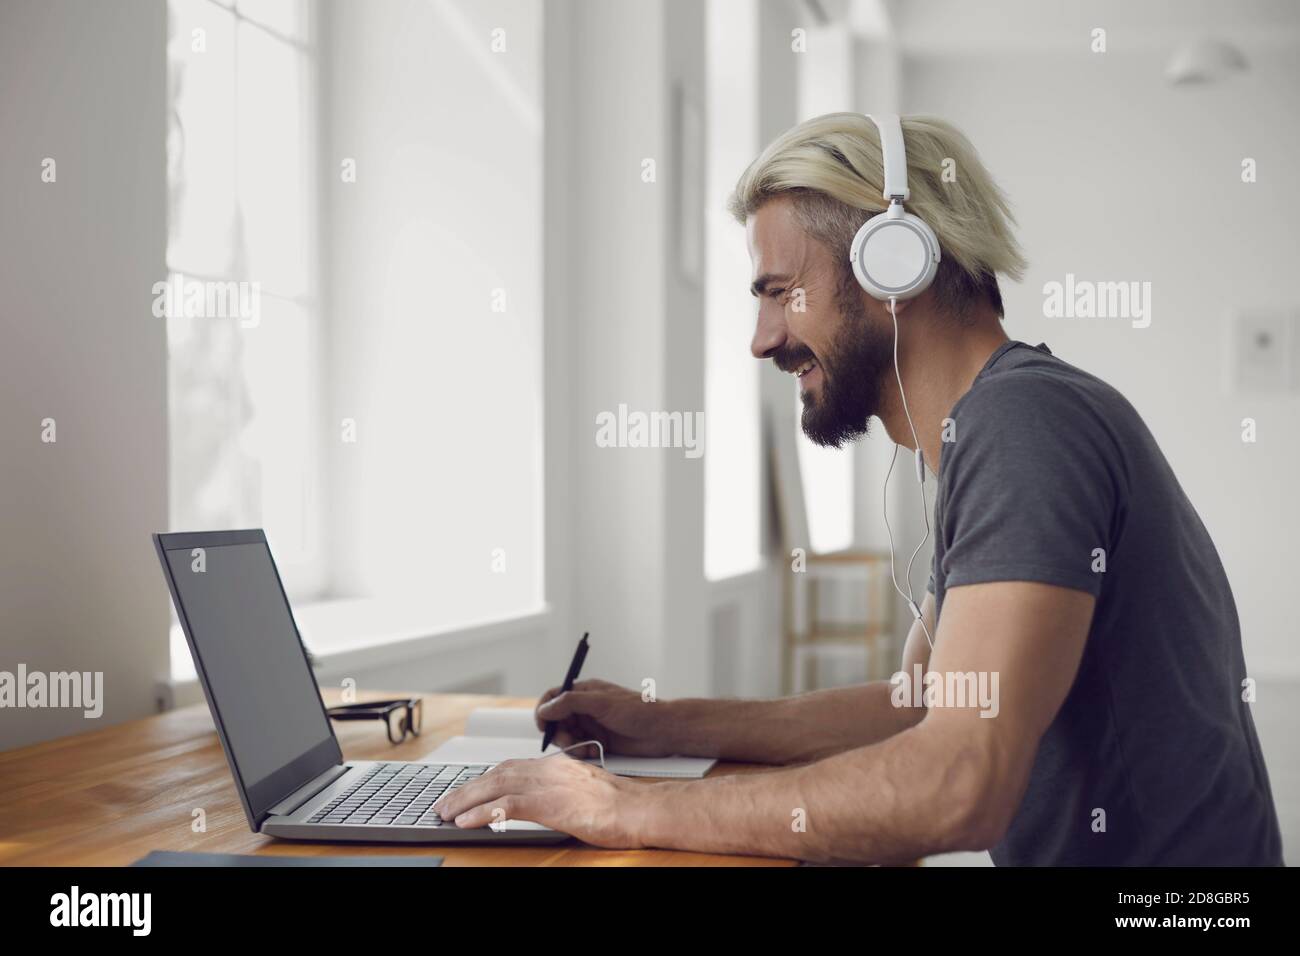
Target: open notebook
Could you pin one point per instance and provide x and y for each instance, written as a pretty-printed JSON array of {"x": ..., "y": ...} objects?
[{"x": 493, "y": 734}]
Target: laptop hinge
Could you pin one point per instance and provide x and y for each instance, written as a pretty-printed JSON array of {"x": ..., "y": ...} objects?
[{"x": 304, "y": 793}]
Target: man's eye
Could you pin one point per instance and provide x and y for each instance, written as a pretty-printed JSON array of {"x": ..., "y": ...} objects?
[{"x": 777, "y": 294}]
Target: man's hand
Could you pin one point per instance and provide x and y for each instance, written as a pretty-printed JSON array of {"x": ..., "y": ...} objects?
[
  {"x": 950, "y": 781},
  {"x": 558, "y": 792},
  {"x": 616, "y": 716}
]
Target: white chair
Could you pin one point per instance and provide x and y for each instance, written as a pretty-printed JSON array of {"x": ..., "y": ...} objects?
[{"x": 806, "y": 637}]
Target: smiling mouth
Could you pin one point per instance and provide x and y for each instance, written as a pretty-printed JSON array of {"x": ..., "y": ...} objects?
[{"x": 804, "y": 369}]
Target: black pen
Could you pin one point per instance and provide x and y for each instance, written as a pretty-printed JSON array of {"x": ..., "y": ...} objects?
[{"x": 575, "y": 666}]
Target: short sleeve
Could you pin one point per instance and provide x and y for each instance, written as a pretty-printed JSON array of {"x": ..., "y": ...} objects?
[{"x": 1029, "y": 487}]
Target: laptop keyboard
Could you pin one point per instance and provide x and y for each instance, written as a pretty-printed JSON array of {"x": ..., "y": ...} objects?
[{"x": 397, "y": 794}]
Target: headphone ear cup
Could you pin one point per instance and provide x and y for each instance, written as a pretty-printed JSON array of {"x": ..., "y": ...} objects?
[{"x": 894, "y": 256}]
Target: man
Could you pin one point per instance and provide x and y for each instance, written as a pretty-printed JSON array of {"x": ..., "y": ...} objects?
[{"x": 1069, "y": 568}]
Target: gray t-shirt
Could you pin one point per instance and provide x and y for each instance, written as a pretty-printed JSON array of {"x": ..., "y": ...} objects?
[{"x": 1049, "y": 472}]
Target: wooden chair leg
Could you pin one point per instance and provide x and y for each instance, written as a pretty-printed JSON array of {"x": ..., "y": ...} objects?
[
  {"x": 787, "y": 667},
  {"x": 787, "y": 630},
  {"x": 814, "y": 625}
]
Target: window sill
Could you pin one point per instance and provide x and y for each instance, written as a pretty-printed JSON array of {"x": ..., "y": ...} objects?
[{"x": 352, "y": 635}]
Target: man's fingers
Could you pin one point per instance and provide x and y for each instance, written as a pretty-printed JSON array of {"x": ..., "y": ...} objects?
[
  {"x": 579, "y": 729},
  {"x": 496, "y": 782},
  {"x": 590, "y": 729},
  {"x": 578, "y": 752},
  {"x": 567, "y": 734},
  {"x": 574, "y": 702},
  {"x": 582, "y": 686},
  {"x": 594, "y": 683},
  {"x": 511, "y": 791},
  {"x": 507, "y": 807},
  {"x": 542, "y": 702}
]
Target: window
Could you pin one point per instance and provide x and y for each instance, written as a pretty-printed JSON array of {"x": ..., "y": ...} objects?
[
  {"x": 241, "y": 302},
  {"x": 733, "y": 466},
  {"x": 374, "y": 399}
]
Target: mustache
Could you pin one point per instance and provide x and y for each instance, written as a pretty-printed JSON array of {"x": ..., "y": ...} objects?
[{"x": 789, "y": 357}]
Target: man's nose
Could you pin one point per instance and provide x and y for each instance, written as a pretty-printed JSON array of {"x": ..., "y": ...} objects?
[{"x": 769, "y": 332}]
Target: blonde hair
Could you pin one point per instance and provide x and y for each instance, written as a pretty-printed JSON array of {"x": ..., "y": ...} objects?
[{"x": 831, "y": 166}]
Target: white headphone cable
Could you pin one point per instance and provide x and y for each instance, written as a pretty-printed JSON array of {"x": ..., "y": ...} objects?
[
  {"x": 920, "y": 474},
  {"x": 600, "y": 749}
]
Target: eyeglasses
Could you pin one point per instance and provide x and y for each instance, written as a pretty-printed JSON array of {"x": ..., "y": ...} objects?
[{"x": 401, "y": 717}]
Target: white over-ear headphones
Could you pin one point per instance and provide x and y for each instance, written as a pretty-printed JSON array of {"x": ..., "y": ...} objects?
[{"x": 894, "y": 255}]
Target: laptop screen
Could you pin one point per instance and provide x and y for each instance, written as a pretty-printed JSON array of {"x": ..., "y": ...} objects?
[{"x": 259, "y": 684}]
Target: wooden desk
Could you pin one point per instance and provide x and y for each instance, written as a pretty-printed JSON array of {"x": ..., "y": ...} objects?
[{"x": 110, "y": 796}]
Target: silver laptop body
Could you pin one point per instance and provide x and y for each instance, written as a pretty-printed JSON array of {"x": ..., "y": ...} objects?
[
  {"x": 389, "y": 801},
  {"x": 288, "y": 767}
]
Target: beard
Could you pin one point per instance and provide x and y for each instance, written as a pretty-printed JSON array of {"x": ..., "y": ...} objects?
[{"x": 853, "y": 372}]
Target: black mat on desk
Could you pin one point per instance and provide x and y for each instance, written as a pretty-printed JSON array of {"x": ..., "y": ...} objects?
[{"x": 171, "y": 858}]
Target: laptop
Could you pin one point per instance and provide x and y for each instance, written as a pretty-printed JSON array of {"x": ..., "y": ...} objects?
[{"x": 288, "y": 767}]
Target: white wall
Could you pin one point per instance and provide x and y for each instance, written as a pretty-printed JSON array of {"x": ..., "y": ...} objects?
[
  {"x": 1116, "y": 175},
  {"x": 685, "y": 664},
  {"x": 626, "y": 539},
  {"x": 80, "y": 588}
]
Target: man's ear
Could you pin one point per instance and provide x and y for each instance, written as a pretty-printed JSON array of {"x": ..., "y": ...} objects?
[
  {"x": 900, "y": 305},
  {"x": 878, "y": 309}
]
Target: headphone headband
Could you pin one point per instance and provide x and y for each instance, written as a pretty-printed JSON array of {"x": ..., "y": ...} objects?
[
  {"x": 895, "y": 255},
  {"x": 894, "y": 155}
]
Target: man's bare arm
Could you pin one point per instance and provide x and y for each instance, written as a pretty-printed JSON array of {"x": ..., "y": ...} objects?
[
  {"x": 952, "y": 781},
  {"x": 806, "y": 726},
  {"x": 782, "y": 731}
]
